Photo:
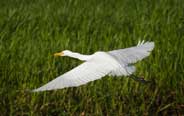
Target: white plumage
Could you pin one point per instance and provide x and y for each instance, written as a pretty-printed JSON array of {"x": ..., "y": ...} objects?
[{"x": 113, "y": 63}]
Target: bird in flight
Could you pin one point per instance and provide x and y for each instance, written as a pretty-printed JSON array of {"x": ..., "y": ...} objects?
[{"x": 113, "y": 63}]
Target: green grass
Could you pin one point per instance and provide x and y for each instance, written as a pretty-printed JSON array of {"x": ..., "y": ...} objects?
[{"x": 32, "y": 30}]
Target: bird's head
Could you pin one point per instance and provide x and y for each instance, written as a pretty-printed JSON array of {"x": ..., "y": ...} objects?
[{"x": 63, "y": 53}]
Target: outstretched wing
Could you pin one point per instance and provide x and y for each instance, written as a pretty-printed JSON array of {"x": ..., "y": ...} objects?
[
  {"x": 84, "y": 73},
  {"x": 133, "y": 54}
]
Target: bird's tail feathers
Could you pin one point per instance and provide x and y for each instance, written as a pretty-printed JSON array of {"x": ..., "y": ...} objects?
[{"x": 130, "y": 69}]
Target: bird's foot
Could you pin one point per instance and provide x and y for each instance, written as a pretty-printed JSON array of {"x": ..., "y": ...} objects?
[{"x": 139, "y": 79}]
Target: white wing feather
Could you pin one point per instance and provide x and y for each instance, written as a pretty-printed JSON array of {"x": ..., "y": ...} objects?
[
  {"x": 133, "y": 54},
  {"x": 84, "y": 73}
]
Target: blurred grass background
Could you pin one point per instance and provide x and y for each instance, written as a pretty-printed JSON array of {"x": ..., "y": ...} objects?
[{"x": 32, "y": 30}]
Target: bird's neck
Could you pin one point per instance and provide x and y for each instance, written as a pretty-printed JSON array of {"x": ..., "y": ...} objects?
[{"x": 80, "y": 56}]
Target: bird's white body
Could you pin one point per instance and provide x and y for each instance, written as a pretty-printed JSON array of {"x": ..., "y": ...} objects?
[{"x": 113, "y": 63}]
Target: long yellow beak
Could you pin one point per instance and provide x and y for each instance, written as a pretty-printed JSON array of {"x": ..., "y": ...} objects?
[{"x": 59, "y": 54}]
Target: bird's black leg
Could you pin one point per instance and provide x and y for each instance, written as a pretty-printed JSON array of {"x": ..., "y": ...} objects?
[{"x": 139, "y": 79}]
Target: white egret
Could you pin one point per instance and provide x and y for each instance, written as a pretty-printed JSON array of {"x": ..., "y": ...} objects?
[{"x": 95, "y": 66}]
